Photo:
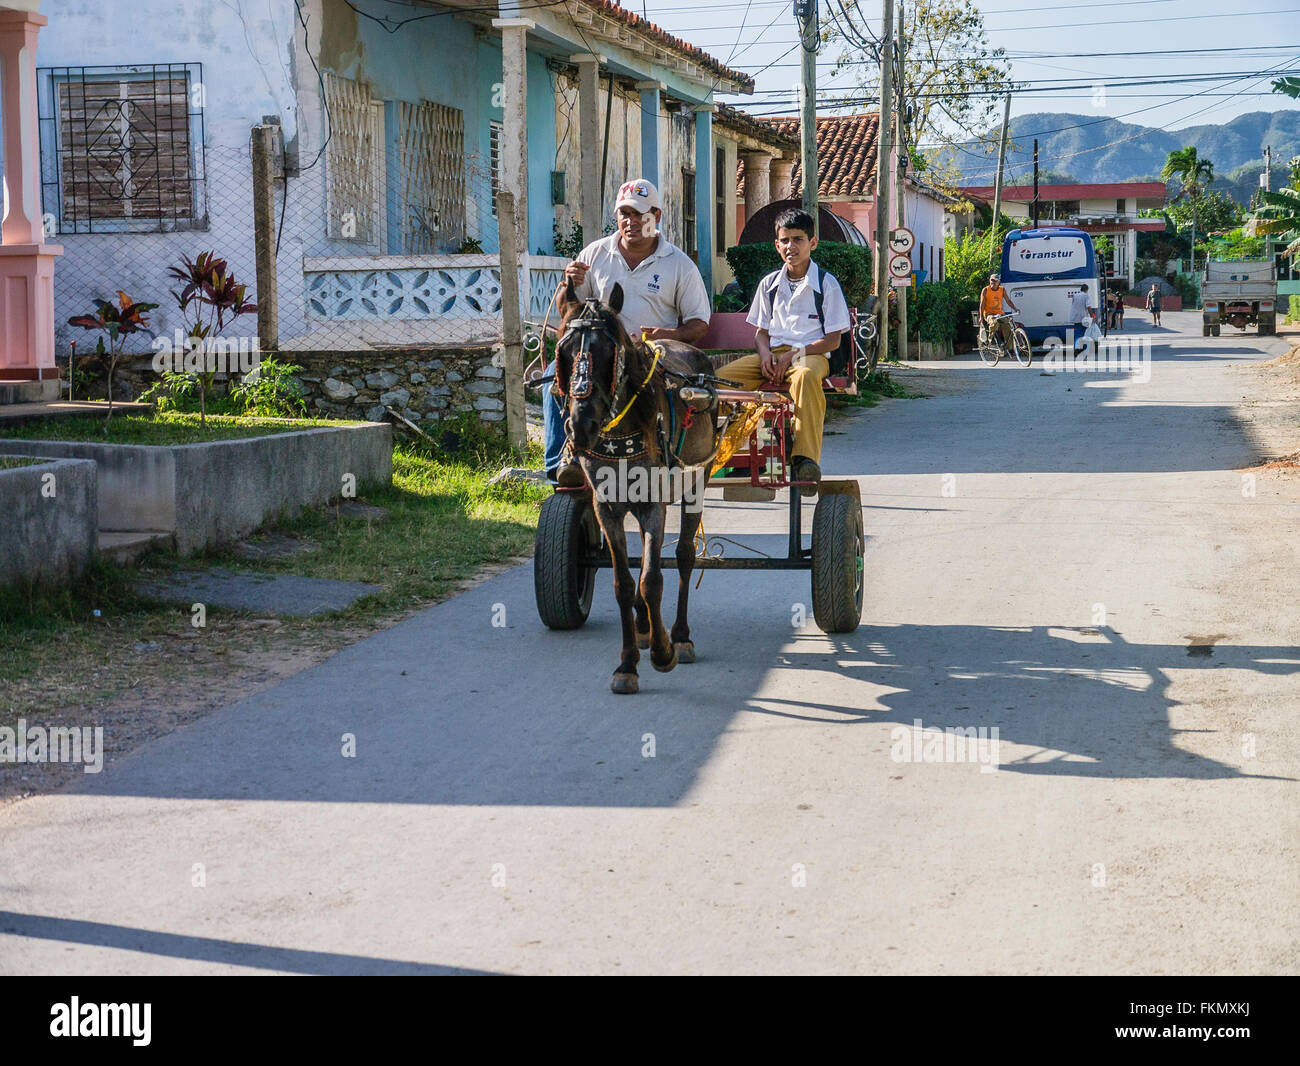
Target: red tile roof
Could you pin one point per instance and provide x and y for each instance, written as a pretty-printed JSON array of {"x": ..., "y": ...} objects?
[
  {"x": 846, "y": 155},
  {"x": 676, "y": 44}
]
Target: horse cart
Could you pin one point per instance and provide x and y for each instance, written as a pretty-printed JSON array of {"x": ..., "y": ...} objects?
[{"x": 751, "y": 464}]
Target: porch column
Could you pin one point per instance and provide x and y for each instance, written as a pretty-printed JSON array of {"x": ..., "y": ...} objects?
[
  {"x": 591, "y": 213},
  {"x": 782, "y": 173},
  {"x": 758, "y": 182},
  {"x": 26, "y": 261},
  {"x": 704, "y": 192},
  {"x": 514, "y": 127},
  {"x": 650, "y": 91},
  {"x": 1131, "y": 243}
]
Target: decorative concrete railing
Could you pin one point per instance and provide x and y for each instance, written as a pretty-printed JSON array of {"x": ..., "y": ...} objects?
[{"x": 457, "y": 295}]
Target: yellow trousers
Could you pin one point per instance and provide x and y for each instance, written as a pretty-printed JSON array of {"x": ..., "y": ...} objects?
[{"x": 805, "y": 385}]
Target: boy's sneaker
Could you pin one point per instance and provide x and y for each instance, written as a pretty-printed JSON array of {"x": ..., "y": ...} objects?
[{"x": 805, "y": 469}]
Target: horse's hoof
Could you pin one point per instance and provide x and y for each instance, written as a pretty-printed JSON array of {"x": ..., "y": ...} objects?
[
  {"x": 624, "y": 684},
  {"x": 643, "y": 640},
  {"x": 668, "y": 665},
  {"x": 685, "y": 651}
]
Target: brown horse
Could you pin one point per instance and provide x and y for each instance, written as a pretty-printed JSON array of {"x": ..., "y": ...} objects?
[{"x": 639, "y": 446}]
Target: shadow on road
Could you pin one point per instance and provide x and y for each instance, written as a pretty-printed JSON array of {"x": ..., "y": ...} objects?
[{"x": 207, "y": 949}]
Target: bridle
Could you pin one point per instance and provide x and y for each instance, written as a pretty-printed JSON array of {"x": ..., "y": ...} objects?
[{"x": 580, "y": 382}]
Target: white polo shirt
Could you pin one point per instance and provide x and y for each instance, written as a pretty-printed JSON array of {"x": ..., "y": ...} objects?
[
  {"x": 790, "y": 313},
  {"x": 663, "y": 291}
]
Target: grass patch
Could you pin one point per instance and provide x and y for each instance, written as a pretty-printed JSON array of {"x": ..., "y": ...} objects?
[
  {"x": 13, "y": 462},
  {"x": 157, "y": 429}
]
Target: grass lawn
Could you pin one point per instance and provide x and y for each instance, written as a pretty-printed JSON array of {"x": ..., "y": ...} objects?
[
  {"x": 13, "y": 462},
  {"x": 168, "y": 428}
]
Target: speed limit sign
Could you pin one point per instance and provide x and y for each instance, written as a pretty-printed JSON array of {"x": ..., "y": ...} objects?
[{"x": 900, "y": 266}]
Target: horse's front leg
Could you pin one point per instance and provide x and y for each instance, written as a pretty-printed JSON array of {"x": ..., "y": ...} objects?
[
  {"x": 692, "y": 514},
  {"x": 625, "y": 679},
  {"x": 652, "y": 519}
]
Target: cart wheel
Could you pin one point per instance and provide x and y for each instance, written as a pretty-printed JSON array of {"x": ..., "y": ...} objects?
[
  {"x": 837, "y": 570},
  {"x": 566, "y": 533}
]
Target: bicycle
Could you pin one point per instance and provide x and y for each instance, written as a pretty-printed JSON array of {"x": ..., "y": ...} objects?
[{"x": 993, "y": 348}]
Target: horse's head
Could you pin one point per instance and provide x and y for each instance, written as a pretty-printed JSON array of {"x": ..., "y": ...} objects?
[{"x": 592, "y": 362}]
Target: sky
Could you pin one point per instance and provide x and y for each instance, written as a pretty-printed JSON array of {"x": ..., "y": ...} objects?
[{"x": 1258, "y": 37}]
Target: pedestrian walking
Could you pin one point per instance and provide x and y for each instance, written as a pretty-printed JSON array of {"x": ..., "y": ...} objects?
[{"x": 1153, "y": 304}]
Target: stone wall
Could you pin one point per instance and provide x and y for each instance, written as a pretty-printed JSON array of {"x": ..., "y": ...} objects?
[{"x": 424, "y": 384}]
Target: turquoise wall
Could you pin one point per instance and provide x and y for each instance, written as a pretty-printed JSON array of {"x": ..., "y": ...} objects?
[{"x": 449, "y": 64}]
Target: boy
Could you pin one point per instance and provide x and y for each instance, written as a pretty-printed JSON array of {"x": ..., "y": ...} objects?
[{"x": 800, "y": 313}]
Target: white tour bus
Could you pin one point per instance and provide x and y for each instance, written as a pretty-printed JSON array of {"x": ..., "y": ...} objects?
[{"x": 1041, "y": 269}]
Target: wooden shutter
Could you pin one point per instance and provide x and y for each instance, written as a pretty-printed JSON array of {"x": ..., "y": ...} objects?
[{"x": 124, "y": 150}]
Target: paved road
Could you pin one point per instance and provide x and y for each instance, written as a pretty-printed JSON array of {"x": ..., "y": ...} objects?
[{"x": 500, "y": 816}]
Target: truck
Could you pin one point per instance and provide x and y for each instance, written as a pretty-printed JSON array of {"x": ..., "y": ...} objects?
[{"x": 1241, "y": 292}]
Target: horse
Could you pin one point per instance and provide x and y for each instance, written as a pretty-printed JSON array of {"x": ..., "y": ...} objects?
[{"x": 630, "y": 431}]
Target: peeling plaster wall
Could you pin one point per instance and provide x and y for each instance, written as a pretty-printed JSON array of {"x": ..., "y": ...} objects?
[{"x": 247, "y": 72}]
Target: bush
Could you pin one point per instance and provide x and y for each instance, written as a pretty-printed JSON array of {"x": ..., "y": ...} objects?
[
  {"x": 932, "y": 312},
  {"x": 273, "y": 392},
  {"x": 1294, "y": 313},
  {"x": 850, "y": 263},
  {"x": 1185, "y": 286},
  {"x": 968, "y": 261}
]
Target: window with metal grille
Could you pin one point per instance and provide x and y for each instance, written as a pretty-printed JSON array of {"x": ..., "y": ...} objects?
[
  {"x": 356, "y": 165},
  {"x": 494, "y": 160},
  {"x": 688, "y": 213},
  {"x": 431, "y": 142},
  {"x": 122, "y": 148}
]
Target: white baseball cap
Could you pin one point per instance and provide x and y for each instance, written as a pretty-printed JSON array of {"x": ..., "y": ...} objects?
[{"x": 637, "y": 193}]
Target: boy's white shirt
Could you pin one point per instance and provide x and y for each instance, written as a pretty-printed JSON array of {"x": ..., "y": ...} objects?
[{"x": 793, "y": 320}]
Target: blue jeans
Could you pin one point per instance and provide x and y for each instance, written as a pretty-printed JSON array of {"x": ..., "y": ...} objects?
[{"x": 553, "y": 424}]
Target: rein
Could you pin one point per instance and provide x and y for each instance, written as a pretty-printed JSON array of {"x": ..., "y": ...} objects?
[{"x": 658, "y": 350}]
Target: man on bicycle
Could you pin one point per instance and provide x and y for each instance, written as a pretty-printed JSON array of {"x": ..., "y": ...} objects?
[{"x": 993, "y": 297}]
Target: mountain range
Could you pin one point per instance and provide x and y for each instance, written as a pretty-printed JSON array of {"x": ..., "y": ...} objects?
[{"x": 1107, "y": 150}]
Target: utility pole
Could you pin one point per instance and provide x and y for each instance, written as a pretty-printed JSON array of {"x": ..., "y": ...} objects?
[
  {"x": 806, "y": 12},
  {"x": 900, "y": 125},
  {"x": 997, "y": 188},
  {"x": 883, "y": 178},
  {"x": 1035, "y": 183}
]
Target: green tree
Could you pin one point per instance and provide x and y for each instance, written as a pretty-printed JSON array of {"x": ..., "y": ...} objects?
[
  {"x": 1278, "y": 213},
  {"x": 954, "y": 79},
  {"x": 1211, "y": 212},
  {"x": 1194, "y": 176}
]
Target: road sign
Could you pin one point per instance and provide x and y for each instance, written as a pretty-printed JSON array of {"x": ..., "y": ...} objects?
[
  {"x": 901, "y": 283},
  {"x": 900, "y": 266},
  {"x": 901, "y": 241}
]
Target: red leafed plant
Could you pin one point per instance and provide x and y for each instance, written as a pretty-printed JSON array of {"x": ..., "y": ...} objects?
[
  {"x": 209, "y": 299},
  {"x": 118, "y": 323}
]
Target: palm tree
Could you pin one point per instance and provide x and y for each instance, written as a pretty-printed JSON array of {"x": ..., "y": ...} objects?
[
  {"x": 1194, "y": 174},
  {"x": 1278, "y": 213}
]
